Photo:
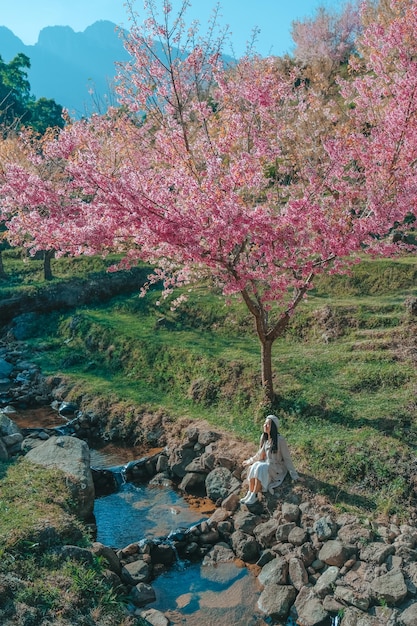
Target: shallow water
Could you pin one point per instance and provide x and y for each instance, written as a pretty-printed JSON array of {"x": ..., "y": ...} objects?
[
  {"x": 189, "y": 594},
  {"x": 208, "y": 595},
  {"x": 141, "y": 512}
]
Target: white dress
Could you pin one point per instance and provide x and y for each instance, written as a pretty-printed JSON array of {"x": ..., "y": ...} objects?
[{"x": 270, "y": 468}]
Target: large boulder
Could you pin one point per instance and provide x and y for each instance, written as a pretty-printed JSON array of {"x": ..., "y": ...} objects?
[
  {"x": 220, "y": 483},
  {"x": 72, "y": 456}
]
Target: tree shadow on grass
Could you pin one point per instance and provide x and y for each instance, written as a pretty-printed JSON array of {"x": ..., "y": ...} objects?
[
  {"x": 401, "y": 427},
  {"x": 313, "y": 490}
]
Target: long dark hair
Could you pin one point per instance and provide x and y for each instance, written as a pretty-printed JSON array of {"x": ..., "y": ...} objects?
[{"x": 274, "y": 436}]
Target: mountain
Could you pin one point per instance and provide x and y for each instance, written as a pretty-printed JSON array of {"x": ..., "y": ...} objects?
[{"x": 74, "y": 69}]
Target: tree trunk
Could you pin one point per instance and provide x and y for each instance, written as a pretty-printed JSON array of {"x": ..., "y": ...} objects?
[
  {"x": 47, "y": 270},
  {"x": 266, "y": 369},
  {"x": 2, "y": 272}
]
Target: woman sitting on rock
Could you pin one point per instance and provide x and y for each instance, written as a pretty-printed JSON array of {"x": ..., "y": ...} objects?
[{"x": 270, "y": 464}]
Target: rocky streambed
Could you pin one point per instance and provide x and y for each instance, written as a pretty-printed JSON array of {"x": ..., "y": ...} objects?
[{"x": 313, "y": 565}]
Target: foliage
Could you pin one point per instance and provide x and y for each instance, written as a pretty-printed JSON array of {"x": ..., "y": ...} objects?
[
  {"x": 18, "y": 108},
  {"x": 328, "y": 37}
]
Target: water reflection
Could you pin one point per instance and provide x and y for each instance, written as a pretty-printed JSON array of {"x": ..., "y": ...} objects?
[
  {"x": 137, "y": 512},
  {"x": 209, "y": 595}
]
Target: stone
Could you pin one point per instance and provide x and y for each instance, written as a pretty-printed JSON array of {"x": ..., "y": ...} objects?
[
  {"x": 325, "y": 528},
  {"x": 154, "y": 617},
  {"x": 4, "y": 455},
  {"x": 275, "y": 571},
  {"x": 297, "y": 536},
  {"x": 297, "y": 573},
  {"x": 349, "y": 596},
  {"x": 220, "y": 483},
  {"x": 6, "y": 368},
  {"x": 353, "y": 533},
  {"x": 308, "y": 608},
  {"x": 192, "y": 481},
  {"x": 275, "y": 601},
  {"x": 290, "y": 512},
  {"x": 136, "y": 572},
  {"x": 325, "y": 583},
  {"x": 376, "y": 552},
  {"x": 265, "y": 533},
  {"x": 246, "y": 521},
  {"x": 99, "y": 549},
  {"x": 390, "y": 587},
  {"x": 308, "y": 554},
  {"x": 71, "y": 456},
  {"x": 333, "y": 553},
  {"x": 409, "y": 616},
  {"x": 7, "y": 426},
  {"x": 283, "y": 531},
  {"x": 142, "y": 594},
  {"x": 245, "y": 546},
  {"x": 208, "y": 436}
]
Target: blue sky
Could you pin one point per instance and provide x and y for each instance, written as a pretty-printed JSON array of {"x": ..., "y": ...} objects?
[{"x": 273, "y": 17}]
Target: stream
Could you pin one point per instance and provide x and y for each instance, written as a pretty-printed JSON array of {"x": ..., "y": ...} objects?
[{"x": 190, "y": 594}]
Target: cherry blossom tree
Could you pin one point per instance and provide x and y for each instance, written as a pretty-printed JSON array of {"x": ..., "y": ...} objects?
[
  {"x": 220, "y": 173},
  {"x": 329, "y": 37}
]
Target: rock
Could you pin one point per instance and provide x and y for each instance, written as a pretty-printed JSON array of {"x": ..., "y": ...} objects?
[
  {"x": 333, "y": 553},
  {"x": 390, "y": 587},
  {"x": 308, "y": 608},
  {"x": 275, "y": 571},
  {"x": 326, "y": 582},
  {"x": 107, "y": 553},
  {"x": 82, "y": 555},
  {"x": 283, "y": 531},
  {"x": 297, "y": 536},
  {"x": 4, "y": 455},
  {"x": 220, "y": 483},
  {"x": 290, "y": 512},
  {"x": 297, "y": 573},
  {"x": 275, "y": 601},
  {"x": 265, "y": 533},
  {"x": 349, "y": 596},
  {"x": 353, "y": 533},
  {"x": 409, "y": 616},
  {"x": 72, "y": 457},
  {"x": 6, "y": 368},
  {"x": 245, "y": 546},
  {"x": 142, "y": 594},
  {"x": 154, "y": 617},
  {"x": 220, "y": 553},
  {"x": 376, "y": 552},
  {"x": 246, "y": 521},
  {"x": 325, "y": 528},
  {"x": 136, "y": 572},
  {"x": 7, "y": 426},
  {"x": 179, "y": 459},
  {"x": 192, "y": 481},
  {"x": 207, "y": 436}
]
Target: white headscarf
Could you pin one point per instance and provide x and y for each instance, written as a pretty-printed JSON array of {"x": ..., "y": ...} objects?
[{"x": 274, "y": 419}]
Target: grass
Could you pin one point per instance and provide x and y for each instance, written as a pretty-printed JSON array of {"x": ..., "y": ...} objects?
[
  {"x": 37, "y": 518},
  {"x": 341, "y": 370},
  {"x": 345, "y": 374}
]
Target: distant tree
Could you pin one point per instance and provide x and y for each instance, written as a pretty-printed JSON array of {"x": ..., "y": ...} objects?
[
  {"x": 23, "y": 153},
  {"x": 382, "y": 148},
  {"x": 18, "y": 108},
  {"x": 14, "y": 92},
  {"x": 324, "y": 43},
  {"x": 44, "y": 113}
]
